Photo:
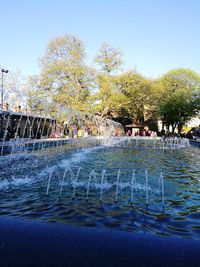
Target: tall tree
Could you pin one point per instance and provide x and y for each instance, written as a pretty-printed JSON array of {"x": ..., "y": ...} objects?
[
  {"x": 179, "y": 98},
  {"x": 109, "y": 58},
  {"x": 137, "y": 101},
  {"x": 15, "y": 93},
  {"x": 65, "y": 74},
  {"x": 108, "y": 97},
  {"x": 39, "y": 97}
]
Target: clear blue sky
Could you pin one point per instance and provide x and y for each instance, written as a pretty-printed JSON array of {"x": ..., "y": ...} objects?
[{"x": 154, "y": 35}]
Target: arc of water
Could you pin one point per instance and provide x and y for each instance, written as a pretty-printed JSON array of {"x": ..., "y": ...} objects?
[
  {"x": 5, "y": 133},
  {"x": 48, "y": 132},
  {"x": 18, "y": 124},
  {"x": 44, "y": 122},
  {"x": 75, "y": 181},
  {"x": 102, "y": 182},
  {"x": 49, "y": 181},
  {"x": 160, "y": 143},
  {"x": 154, "y": 143},
  {"x": 62, "y": 183},
  {"x": 133, "y": 181},
  {"x": 163, "y": 145},
  {"x": 40, "y": 131},
  {"x": 129, "y": 143},
  {"x": 38, "y": 126},
  {"x": 31, "y": 127},
  {"x": 92, "y": 174},
  {"x": 31, "y": 132},
  {"x": 27, "y": 120},
  {"x": 23, "y": 133},
  {"x": 162, "y": 190},
  {"x": 136, "y": 143},
  {"x": 159, "y": 184},
  {"x": 147, "y": 187},
  {"x": 117, "y": 185}
]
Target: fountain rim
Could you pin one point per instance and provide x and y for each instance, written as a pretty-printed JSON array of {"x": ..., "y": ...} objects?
[{"x": 25, "y": 241}]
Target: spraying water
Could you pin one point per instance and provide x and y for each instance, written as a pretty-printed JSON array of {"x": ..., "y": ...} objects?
[
  {"x": 49, "y": 181},
  {"x": 117, "y": 185}
]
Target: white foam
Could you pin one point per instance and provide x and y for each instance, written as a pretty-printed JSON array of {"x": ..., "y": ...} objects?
[
  {"x": 21, "y": 181},
  {"x": 66, "y": 164},
  {"x": 15, "y": 182},
  {"x": 78, "y": 157},
  {"x": 4, "y": 184}
]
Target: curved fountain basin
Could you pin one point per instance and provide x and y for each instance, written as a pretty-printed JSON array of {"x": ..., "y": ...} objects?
[
  {"x": 33, "y": 243},
  {"x": 30, "y": 145},
  {"x": 43, "y": 185},
  {"x": 24, "y": 145}
]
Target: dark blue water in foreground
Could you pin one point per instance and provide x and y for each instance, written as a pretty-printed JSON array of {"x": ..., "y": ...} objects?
[{"x": 106, "y": 187}]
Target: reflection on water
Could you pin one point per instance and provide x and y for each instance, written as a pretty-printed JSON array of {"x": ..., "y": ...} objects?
[{"x": 143, "y": 190}]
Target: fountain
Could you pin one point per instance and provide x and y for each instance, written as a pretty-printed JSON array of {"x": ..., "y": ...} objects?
[
  {"x": 146, "y": 142},
  {"x": 97, "y": 184},
  {"x": 31, "y": 132},
  {"x": 130, "y": 184}
]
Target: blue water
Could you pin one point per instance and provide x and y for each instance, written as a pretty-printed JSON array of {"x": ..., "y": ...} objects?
[{"x": 108, "y": 187}]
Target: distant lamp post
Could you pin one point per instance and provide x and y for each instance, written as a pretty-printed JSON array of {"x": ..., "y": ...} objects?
[{"x": 2, "y": 73}]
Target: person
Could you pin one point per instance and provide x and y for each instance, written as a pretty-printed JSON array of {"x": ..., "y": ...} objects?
[
  {"x": 89, "y": 131},
  {"x": 74, "y": 131},
  {"x": 85, "y": 132},
  {"x": 128, "y": 133},
  {"x": 66, "y": 131},
  {"x": 136, "y": 133},
  {"x": 148, "y": 133},
  {"x": 143, "y": 133}
]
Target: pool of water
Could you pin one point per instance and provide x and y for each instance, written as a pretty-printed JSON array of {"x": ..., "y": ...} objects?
[{"x": 136, "y": 189}]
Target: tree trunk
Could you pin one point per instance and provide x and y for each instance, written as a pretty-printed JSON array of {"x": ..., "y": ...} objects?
[
  {"x": 180, "y": 127},
  {"x": 168, "y": 127},
  {"x": 173, "y": 128},
  {"x": 163, "y": 126}
]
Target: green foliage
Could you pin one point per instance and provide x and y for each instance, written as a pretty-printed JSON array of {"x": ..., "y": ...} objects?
[
  {"x": 109, "y": 99},
  {"x": 39, "y": 97},
  {"x": 179, "y": 98},
  {"x": 137, "y": 95},
  {"x": 64, "y": 74},
  {"x": 65, "y": 80}
]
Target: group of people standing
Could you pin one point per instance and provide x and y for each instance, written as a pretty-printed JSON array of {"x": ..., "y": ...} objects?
[
  {"x": 143, "y": 132},
  {"x": 73, "y": 131}
]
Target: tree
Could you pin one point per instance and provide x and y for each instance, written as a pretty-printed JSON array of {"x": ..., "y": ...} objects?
[
  {"x": 108, "y": 97},
  {"x": 137, "y": 102},
  {"x": 109, "y": 58},
  {"x": 179, "y": 98},
  {"x": 64, "y": 73},
  {"x": 15, "y": 93},
  {"x": 39, "y": 97}
]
